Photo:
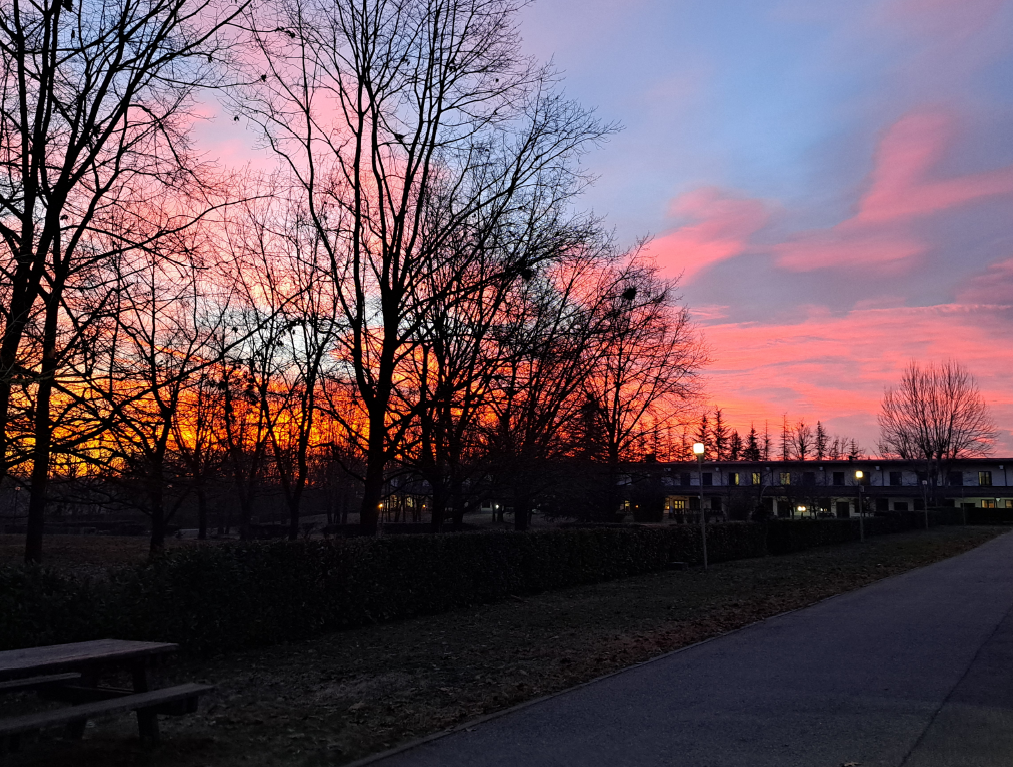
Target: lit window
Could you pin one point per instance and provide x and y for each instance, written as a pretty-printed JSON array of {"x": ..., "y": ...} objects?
[
  {"x": 785, "y": 477},
  {"x": 988, "y": 503},
  {"x": 985, "y": 480},
  {"x": 677, "y": 504},
  {"x": 733, "y": 478},
  {"x": 757, "y": 479}
]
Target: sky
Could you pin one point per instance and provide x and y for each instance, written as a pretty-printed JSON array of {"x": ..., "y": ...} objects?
[{"x": 832, "y": 181}]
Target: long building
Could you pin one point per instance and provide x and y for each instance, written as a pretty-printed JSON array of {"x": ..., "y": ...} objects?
[{"x": 734, "y": 489}]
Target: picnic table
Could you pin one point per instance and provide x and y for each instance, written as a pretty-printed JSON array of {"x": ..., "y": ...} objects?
[{"x": 72, "y": 673}]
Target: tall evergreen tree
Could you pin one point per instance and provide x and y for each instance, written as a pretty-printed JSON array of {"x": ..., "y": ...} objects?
[
  {"x": 752, "y": 450},
  {"x": 822, "y": 441},
  {"x": 719, "y": 436},
  {"x": 735, "y": 446},
  {"x": 703, "y": 435}
]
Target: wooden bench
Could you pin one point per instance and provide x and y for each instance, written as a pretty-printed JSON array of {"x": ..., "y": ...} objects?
[
  {"x": 172, "y": 701},
  {"x": 38, "y": 682},
  {"x": 72, "y": 673}
]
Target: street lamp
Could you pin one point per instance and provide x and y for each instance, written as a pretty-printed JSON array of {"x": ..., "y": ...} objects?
[
  {"x": 698, "y": 449},
  {"x": 925, "y": 501},
  {"x": 861, "y": 507}
]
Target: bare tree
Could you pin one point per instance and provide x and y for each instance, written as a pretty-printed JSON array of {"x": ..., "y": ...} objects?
[
  {"x": 167, "y": 313},
  {"x": 547, "y": 341},
  {"x": 457, "y": 357},
  {"x": 402, "y": 123},
  {"x": 648, "y": 356},
  {"x": 802, "y": 440},
  {"x": 94, "y": 110},
  {"x": 196, "y": 435},
  {"x": 936, "y": 414}
]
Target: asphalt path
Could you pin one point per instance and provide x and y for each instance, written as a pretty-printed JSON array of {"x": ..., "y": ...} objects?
[{"x": 915, "y": 670}]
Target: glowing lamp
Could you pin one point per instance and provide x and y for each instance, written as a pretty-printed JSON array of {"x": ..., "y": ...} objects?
[{"x": 698, "y": 448}]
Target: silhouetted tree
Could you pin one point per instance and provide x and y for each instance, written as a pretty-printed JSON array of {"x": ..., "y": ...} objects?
[
  {"x": 94, "y": 113},
  {"x": 752, "y": 449},
  {"x": 735, "y": 447},
  {"x": 719, "y": 435},
  {"x": 402, "y": 126},
  {"x": 822, "y": 441},
  {"x": 802, "y": 440},
  {"x": 937, "y": 415}
]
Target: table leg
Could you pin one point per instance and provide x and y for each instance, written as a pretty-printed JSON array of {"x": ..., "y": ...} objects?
[
  {"x": 147, "y": 721},
  {"x": 89, "y": 678}
]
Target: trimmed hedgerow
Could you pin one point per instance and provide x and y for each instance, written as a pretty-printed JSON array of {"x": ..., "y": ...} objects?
[
  {"x": 225, "y": 597},
  {"x": 785, "y": 536},
  {"x": 39, "y": 606}
]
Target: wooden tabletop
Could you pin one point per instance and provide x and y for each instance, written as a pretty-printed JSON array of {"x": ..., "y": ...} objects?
[{"x": 70, "y": 657}]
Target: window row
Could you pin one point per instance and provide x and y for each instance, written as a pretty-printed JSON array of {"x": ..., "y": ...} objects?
[{"x": 808, "y": 478}]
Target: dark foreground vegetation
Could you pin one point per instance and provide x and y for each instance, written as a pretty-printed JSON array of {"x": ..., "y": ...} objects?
[
  {"x": 228, "y": 597},
  {"x": 344, "y": 695}
]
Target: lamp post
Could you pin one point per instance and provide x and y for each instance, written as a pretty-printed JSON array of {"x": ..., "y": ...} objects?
[
  {"x": 861, "y": 507},
  {"x": 925, "y": 501},
  {"x": 698, "y": 449}
]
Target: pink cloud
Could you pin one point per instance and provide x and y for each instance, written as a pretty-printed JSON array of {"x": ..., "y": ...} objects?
[
  {"x": 900, "y": 187},
  {"x": 994, "y": 287},
  {"x": 722, "y": 229},
  {"x": 901, "y": 191},
  {"x": 882, "y": 234},
  {"x": 835, "y": 368}
]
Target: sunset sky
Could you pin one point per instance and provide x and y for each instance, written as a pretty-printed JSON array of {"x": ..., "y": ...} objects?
[{"x": 833, "y": 180}]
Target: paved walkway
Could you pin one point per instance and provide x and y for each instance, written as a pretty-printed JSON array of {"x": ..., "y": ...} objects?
[{"x": 916, "y": 671}]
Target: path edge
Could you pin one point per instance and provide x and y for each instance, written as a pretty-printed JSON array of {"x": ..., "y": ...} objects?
[{"x": 474, "y": 723}]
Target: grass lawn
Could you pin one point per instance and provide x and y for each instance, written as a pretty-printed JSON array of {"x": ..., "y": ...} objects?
[
  {"x": 88, "y": 554},
  {"x": 349, "y": 694}
]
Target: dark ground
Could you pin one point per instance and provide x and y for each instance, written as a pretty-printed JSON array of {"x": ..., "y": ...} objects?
[{"x": 345, "y": 695}]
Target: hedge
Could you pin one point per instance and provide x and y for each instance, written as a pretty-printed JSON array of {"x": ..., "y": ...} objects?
[{"x": 225, "y": 597}]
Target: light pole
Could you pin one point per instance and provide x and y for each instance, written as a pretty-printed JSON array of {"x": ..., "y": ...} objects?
[
  {"x": 861, "y": 506},
  {"x": 925, "y": 501},
  {"x": 698, "y": 449}
]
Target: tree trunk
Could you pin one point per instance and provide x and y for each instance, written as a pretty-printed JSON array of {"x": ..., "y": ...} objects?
[
  {"x": 41, "y": 454},
  {"x": 372, "y": 491},
  {"x": 202, "y": 514},
  {"x": 42, "y": 451},
  {"x": 439, "y": 509},
  {"x": 457, "y": 500},
  {"x": 522, "y": 510},
  {"x": 157, "y": 520},
  {"x": 245, "y": 520},
  {"x": 294, "y": 508}
]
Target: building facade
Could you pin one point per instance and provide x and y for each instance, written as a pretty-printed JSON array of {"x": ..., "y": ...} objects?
[{"x": 735, "y": 489}]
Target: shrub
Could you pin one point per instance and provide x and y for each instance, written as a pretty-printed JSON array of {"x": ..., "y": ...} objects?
[
  {"x": 219, "y": 598},
  {"x": 226, "y": 597}
]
